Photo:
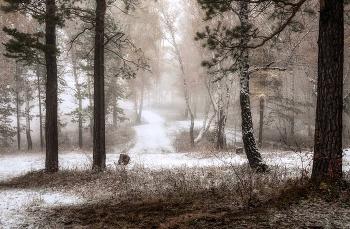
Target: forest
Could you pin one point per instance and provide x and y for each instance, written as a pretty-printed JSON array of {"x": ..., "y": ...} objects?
[{"x": 175, "y": 114}]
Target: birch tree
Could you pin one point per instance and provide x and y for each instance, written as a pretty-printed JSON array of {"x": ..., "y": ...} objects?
[{"x": 169, "y": 19}]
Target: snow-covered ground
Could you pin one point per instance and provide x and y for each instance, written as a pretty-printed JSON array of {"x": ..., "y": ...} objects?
[{"x": 153, "y": 149}]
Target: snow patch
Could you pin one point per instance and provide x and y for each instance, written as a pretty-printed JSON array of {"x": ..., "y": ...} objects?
[{"x": 17, "y": 204}]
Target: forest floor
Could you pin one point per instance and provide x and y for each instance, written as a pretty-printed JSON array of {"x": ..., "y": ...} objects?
[{"x": 165, "y": 188}]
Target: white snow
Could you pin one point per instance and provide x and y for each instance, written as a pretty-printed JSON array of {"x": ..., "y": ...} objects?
[
  {"x": 16, "y": 204},
  {"x": 12, "y": 166},
  {"x": 151, "y": 137},
  {"x": 153, "y": 149}
]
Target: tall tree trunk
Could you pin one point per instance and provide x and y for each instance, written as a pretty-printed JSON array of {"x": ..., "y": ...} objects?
[
  {"x": 141, "y": 101},
  {"x": 18, "y": 120},
  {"x": 329, "y": 110},
  {"x": 175, "y": 45},
  {"x": 138, "y": 109},
  {"x": 115, "y": 114},
  {"x": 99, "y": 148},
  {"x": 18, "y": 112},
  {"x": 207, "y": 84},
  {"x": 221, "y": 141},
  {"x": 292, "y": 121},
  {"x": 80, "y": 100},
  {"x": 27, "y": 114},
  {"x": 51, "y": 163},
  {"x": 309, "y": 131},
  {"x": 80, "y": 120},
  {"x": 261, "y": 124},
  {"x": 40, "y": 114},
  {"x": 204, "y": 127},
  {"x": 91, "y": 122},
  {"x": 195, "y": 106},
  {"x": 253, "y": 154}
]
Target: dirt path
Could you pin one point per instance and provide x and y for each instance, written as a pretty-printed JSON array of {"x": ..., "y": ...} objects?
[{"x": 152, "y": 137}]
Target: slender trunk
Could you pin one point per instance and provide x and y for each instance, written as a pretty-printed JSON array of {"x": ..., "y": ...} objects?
[
  {"x": 80, "y": 100},
  {"x": 141, "y": 102},
  {"x": 309, "y": 131},
  {"x": 210, "y": 121},
  {"x": 27, "y": 114},
  {"x": 204, "y": 127},
  {"x": 220, "y": 144},
  {"x": 224, "y": 105},
  {"x": 195, "y": 107},
  {"x": 91, "y": 122},
  {"x": 18, "y": 112},
  {"x": 40, "y": 114},
  {"x": 99, "y": 149},
  {"x": 261, "y": 105},
  {"x": 115, "y": 114},
  {"x": 292, "y": 122},
  {"x": 329, "y": 110},
  {"x": 252, "y": 152},
  {"x": 18, "y": 120},
  {"x": 213, "y": 103},
  {"x": 80, "y": 120},
  {"x": 138, "y": 109},
  {"x": 51, "y": 163},
  {"x": 184, "y": 78}
]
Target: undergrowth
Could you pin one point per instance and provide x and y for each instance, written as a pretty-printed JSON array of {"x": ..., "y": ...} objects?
[
  {"x": 182, "y": 197},
  {"x": 182, "y": 144}
]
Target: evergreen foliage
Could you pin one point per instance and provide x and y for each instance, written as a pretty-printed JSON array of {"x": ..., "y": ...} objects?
[
  {"x": 224, "y": 38},
  {"x": 28, "y": 47},
  {"x": 7, "y": 131}
]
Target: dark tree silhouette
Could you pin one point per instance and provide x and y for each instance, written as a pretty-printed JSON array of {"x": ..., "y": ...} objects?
[
  {"x": 99, "y": 148},
  {"x": 328, "y": 128}
]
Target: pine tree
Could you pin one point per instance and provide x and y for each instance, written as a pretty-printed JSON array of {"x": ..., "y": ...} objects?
[
  {"x": 7, "y": 132},
  {"x": 25, "y": 47},
  {"x": 328, "y": 126},
  {"x": 99, "y": 148},
  {"x": 328, "y": 129}
]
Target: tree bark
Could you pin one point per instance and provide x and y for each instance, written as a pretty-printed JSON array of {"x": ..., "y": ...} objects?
[
  {"x": 252, "y": 152},
  {"x": 91, "y": 122},
  {"x": 138, "y": 110},
  {"x": 204, "y": 127},
  {"x": 115, "y": 114},
  {"x": 261, "y": 124},
  {"x": 99, "y": 149},
  {"x": 292, "y": 121},
  {"x": 27, "y": 114},
  {"x": 51, "y": 163},
  {"x": 80, "y": 100},
  {"x": 327, "y": 164},
  {"x": 18, "y": 107},
  {"x": 221, "y": 139},
  {"x": 40, "y": 114}
]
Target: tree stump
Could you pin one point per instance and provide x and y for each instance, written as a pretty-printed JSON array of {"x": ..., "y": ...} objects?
[
  {"x": 123, "y": 159},
  {"x": 239, "y": 150}
]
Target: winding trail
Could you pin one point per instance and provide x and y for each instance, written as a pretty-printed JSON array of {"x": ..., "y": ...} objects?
[{"x": 152, "y": 137}]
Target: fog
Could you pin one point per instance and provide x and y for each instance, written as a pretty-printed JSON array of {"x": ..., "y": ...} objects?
[{"x": 173, "y": 114}]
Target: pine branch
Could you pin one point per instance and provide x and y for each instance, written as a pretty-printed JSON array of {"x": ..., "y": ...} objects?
[{"x": 267, "y": 67}]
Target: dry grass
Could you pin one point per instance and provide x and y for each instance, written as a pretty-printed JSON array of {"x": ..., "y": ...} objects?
[
  {"x": 182, "y": 144},
  {"x": 122, "y": 139},
  {"x": 208, "y": 197}
]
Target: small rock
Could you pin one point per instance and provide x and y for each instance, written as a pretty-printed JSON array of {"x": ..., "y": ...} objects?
[
  {"x": 123, "y": 159},
  {"x": 239, "y": 150}
]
